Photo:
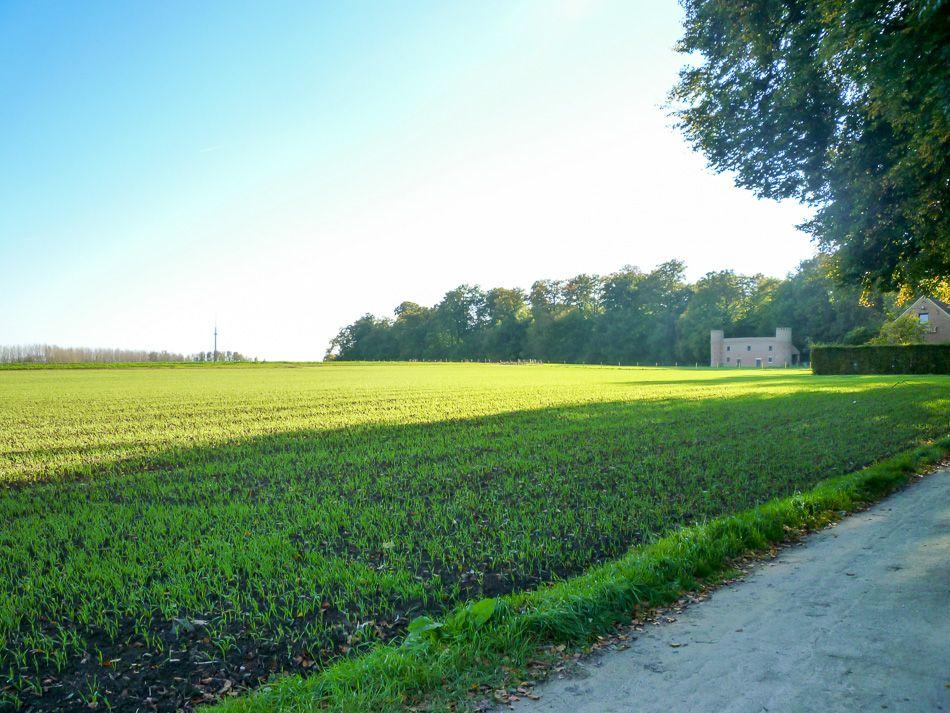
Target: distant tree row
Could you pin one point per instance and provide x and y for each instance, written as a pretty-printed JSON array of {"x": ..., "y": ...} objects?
[
  {"x": 53, "y": 354},
  {"x": 219, "y": 356},
  {"x": 627, "y": 317}
]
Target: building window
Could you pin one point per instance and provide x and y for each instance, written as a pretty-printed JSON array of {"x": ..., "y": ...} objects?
[
  {"x": 770, "y": 358},
  {"x": 728, "y": 349},
  {"x": 727, "y": 358},
  {"x": 770, "y": 349},
  {"x": 924, "y": 317},
  {"x": 748, "y": 348}
]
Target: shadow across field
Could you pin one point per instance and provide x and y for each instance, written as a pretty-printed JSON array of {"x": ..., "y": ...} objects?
[{"x": 300, "y": 547}]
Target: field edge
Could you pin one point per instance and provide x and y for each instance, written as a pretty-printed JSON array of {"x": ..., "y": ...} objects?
[{"x": 489, "y": 642}]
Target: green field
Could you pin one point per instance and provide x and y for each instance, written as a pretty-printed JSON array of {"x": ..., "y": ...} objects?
[{"x": 164, "y": 530}]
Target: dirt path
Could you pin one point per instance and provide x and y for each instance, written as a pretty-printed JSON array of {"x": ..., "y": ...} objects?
[{"x": 856, "y": 619}]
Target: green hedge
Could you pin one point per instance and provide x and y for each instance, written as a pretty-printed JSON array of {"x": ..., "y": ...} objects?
[{"x": 904, "y": 359}]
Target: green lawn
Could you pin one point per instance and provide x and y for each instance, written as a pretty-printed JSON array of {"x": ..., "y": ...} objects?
[{"x": 298, "y": 513}]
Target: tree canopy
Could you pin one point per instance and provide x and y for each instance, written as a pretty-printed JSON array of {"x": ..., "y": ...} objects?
[
  {"x": 626, "y": 317},
  {"x": 841, "y": 104},
  {"x": 903, "y": 330}
]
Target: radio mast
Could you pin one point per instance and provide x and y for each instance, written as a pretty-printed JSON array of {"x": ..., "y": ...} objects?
[{"x": 215, "y": 340}]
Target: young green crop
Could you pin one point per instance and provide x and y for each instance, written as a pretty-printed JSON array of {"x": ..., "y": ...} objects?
[{"x": 158, "y": 524}]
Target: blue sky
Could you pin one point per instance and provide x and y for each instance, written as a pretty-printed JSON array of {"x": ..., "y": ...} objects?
[{"x": 285, "y": 167}]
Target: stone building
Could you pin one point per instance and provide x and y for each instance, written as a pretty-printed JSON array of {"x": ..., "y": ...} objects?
[
  {"x": 757, "y": 352},
  {"x": 934, "y": 315}
]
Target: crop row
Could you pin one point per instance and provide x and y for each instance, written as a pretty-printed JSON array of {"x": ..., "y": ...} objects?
[{"x": 162, "y": 525}]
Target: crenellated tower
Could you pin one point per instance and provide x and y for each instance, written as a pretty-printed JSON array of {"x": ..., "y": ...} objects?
[{"x": 716, "y": 337}]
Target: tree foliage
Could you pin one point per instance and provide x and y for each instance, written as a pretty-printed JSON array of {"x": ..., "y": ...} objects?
[
  {"x": 627, "y": 317},
  {"x": 841, "y": 104},
  {"x": 903, "y": 330},
  {"x": 55, "y": 354}
]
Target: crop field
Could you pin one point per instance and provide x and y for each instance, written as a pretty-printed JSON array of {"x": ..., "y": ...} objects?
[{"x": 168, "y": 536}]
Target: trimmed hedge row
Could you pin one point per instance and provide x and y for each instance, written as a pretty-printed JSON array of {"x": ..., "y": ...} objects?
[{"x": 868, "y": 359}]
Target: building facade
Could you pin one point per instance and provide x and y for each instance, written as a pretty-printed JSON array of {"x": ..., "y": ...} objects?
[
  {"x": 755, "y": 352},
  {"x": 934, "y": 316}
]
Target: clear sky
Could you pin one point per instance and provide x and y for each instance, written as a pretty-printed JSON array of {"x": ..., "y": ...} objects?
[{"x": 285, "y": 167}]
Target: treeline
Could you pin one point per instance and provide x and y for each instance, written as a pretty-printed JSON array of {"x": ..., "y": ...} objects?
[
  {"x": 226, "y": 356},
  {"x": 627, "y": 317},
  {"x": 53, "y": 354}
]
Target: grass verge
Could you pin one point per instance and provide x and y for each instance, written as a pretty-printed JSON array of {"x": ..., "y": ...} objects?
[{"x": 489, "y": 641}]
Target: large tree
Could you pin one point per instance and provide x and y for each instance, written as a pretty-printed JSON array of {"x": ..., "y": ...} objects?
[
  {"x": 842, "y": 104},
  {"x": 818, "y": 309},
  {"x": 507, "y": 315},
  {"x": 639, "y": 316}
]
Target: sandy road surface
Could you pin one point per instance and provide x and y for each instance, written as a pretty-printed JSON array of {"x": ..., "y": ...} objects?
[{"x": 855, "y": 619}]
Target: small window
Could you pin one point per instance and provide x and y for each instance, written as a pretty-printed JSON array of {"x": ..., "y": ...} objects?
[
  {"x": 770, "y": 349},
  {"x": 727, "y": 358},
  {"x": 748, "y": 348},
  {"x": 924, "y": 317},
  {"x": 770, "y": 358},
  {"x": 728, "y": 349}
]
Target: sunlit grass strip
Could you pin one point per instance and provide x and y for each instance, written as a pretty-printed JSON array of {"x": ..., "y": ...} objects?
[{"x": 444, "y": 663}]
